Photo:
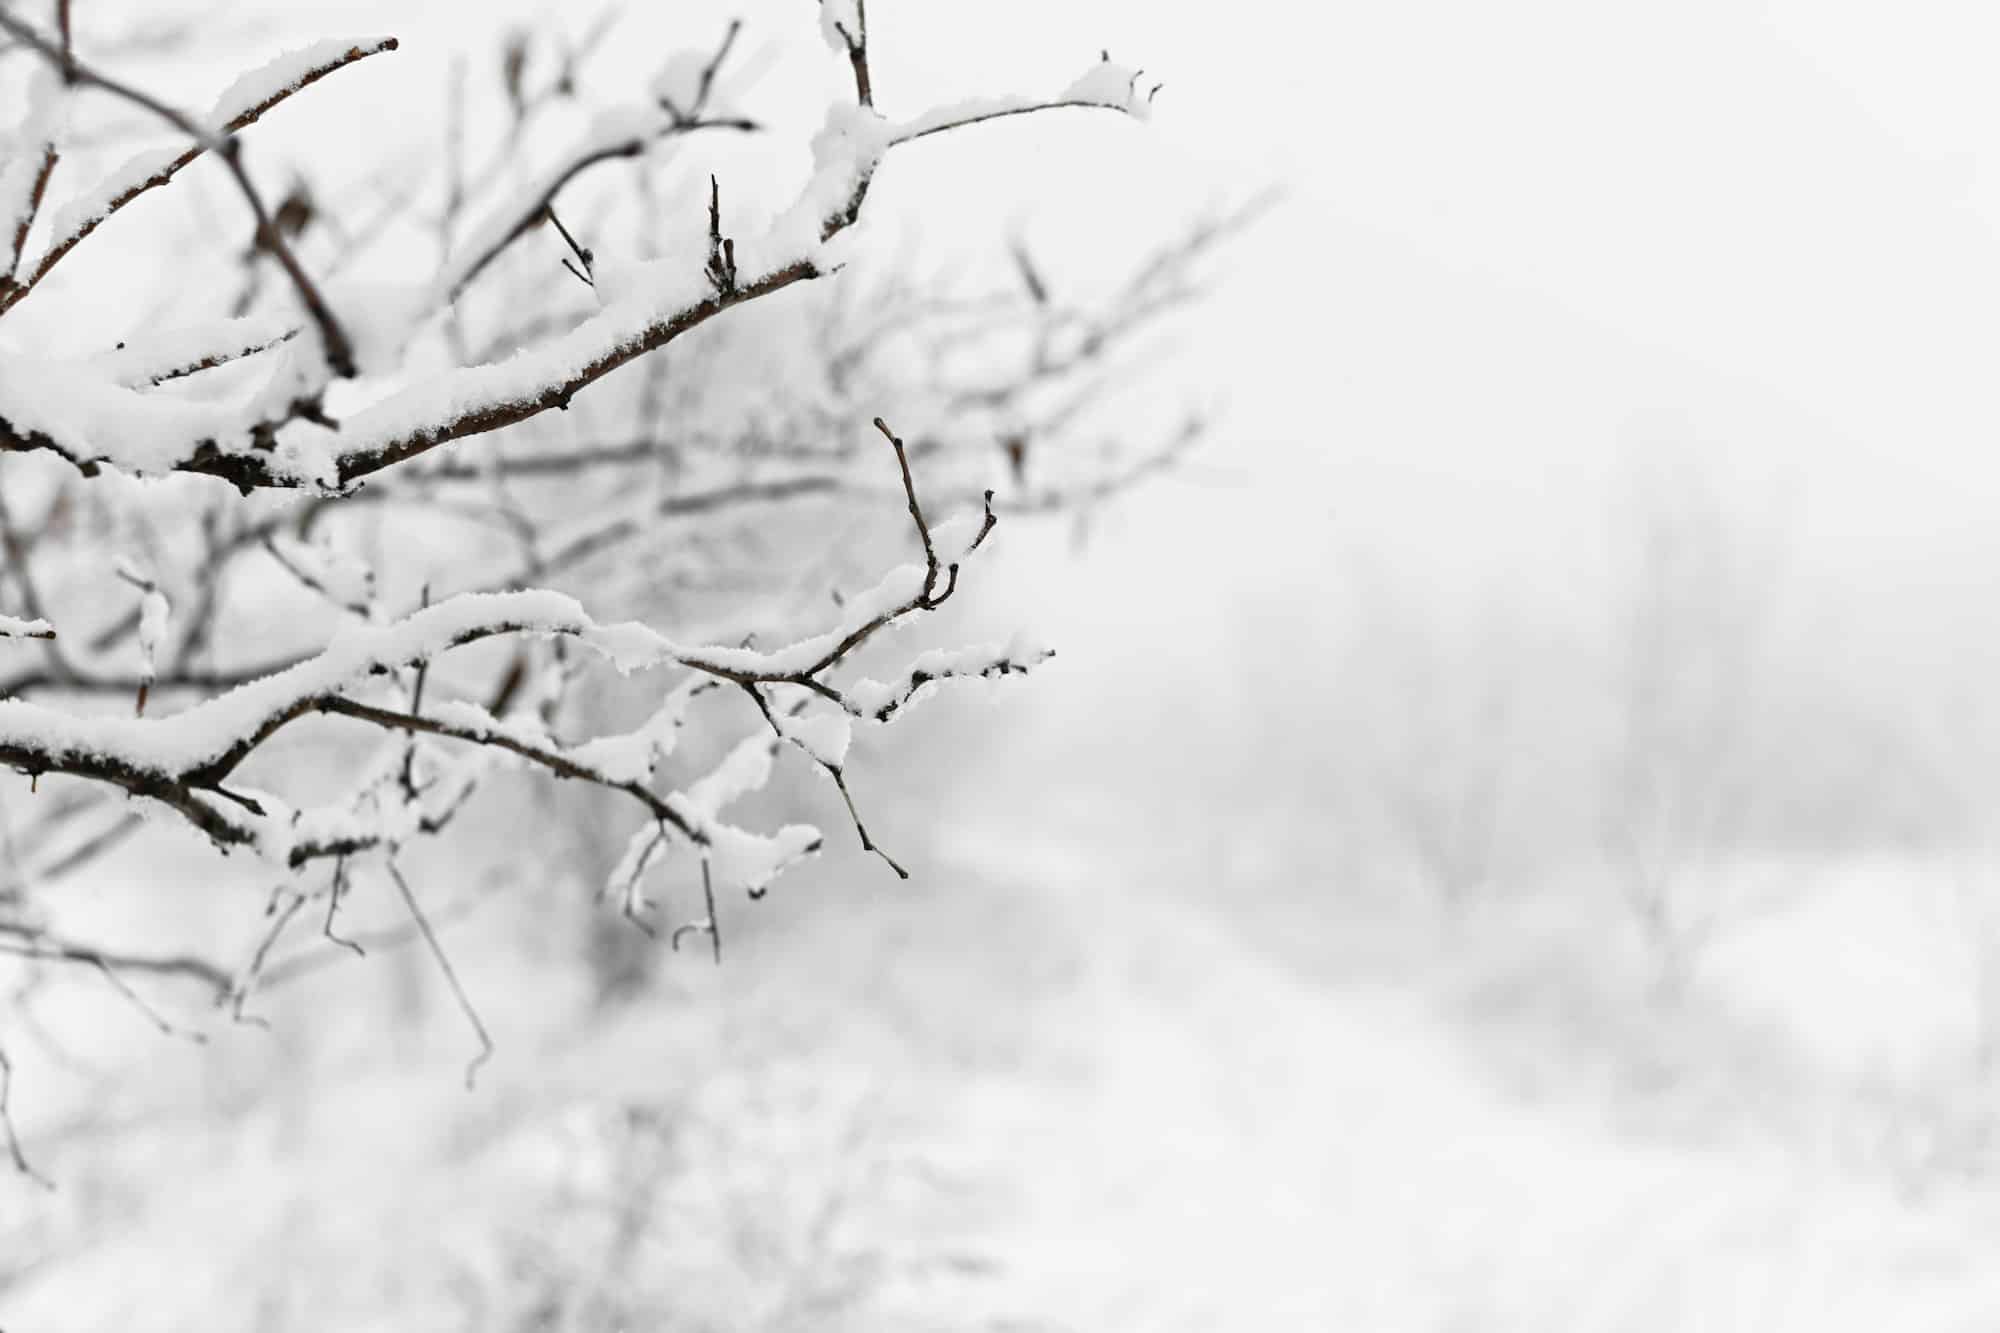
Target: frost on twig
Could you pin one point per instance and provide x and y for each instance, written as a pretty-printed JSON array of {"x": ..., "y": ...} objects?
[
  {"x": 15, "y": 627},
  {"x": 152, "y": 634}
]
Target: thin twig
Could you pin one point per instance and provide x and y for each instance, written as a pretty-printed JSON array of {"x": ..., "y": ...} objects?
[
  {"x": 313, "y": 959},
  {"x": 416, "y": 710},
  {"x": 62, "y": 246},
  {"x": 630, "y": 899},
  {"x": 268, "y": 237},
  {"x": 7, "y": 1124},
  {"x": 90, "y": 848},
  {"x": 916, "y": 510},
  {"x": 334, "y": 893},
  {"x": 36, "y": 193},
  {"x": 721, "y": 268},
  {"x": 707, "y": 925},
  {"x": 247, "y": 980},
  {"x": 68, "y": 43},
  {"x": 835, "y": 771},
  {"x": 680, "y": 120},
  {"x": 152, "y": 1015},
  {"x": 25, "y": 942},
  {"x": 857, "y": 53},
  {"x": 586, "y": 273},
  {"x": 714, "y": 66},
  {"x": 214, "y": 359},
  {"x": 839, "y": 772},
  {"x": 450, "y": 975}
]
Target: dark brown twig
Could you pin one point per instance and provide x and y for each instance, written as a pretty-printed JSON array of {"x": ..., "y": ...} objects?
[
  {"x": 857, "y": 53},
  {"x": 68, "y": 41},
  {"x": 588, "y": 274},
  {"x": 214, "y": 359},
  {"x": 721, "y": 268},
  {"x": 36, "y": 193},
  {"x": 837, "y": 772},
  {"x": 916, "y": 510}
]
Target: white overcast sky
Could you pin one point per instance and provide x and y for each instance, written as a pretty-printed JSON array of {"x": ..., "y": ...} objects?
[{"x": 1524, "y": 246}]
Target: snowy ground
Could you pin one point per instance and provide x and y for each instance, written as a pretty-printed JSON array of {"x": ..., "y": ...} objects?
[
  {"x": 977, "y": 1106},
  {"x": 1256, "y": 1149}
]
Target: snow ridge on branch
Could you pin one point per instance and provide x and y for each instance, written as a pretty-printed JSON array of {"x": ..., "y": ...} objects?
[
  {"x": 94, "y": 421},
  {"x": 187, "y": 761}
]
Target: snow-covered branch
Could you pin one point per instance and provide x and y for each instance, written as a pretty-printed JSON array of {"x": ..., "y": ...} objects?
[
  {"x": 13, "y": 627},
  {"x": 338, "y": 663},
  {"x": 241, "y": 105},
  {"x": 184, "y": 761},
  {"x": 680, "y": 104},
  {"x": 88, "y": 418}
]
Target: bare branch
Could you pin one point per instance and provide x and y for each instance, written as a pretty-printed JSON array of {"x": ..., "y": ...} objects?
[
  {"x": 37, "y": 191},
  {"x": 245, "y": 981},
  {"x": 868, "y": 844},
  {"x": 721, "y": 268},
  {"x": 436, "y": 947},
  {"x": 153, "y": 1016},
  {"x": 28, "y": 942},
  {"x": 856, "y": 40},
  {"x": 334, "y": 890},
  {"x": 7, "y": 1125},
  {"x": 90, "y": 849},
  {"x": 708, "y": 925}
]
